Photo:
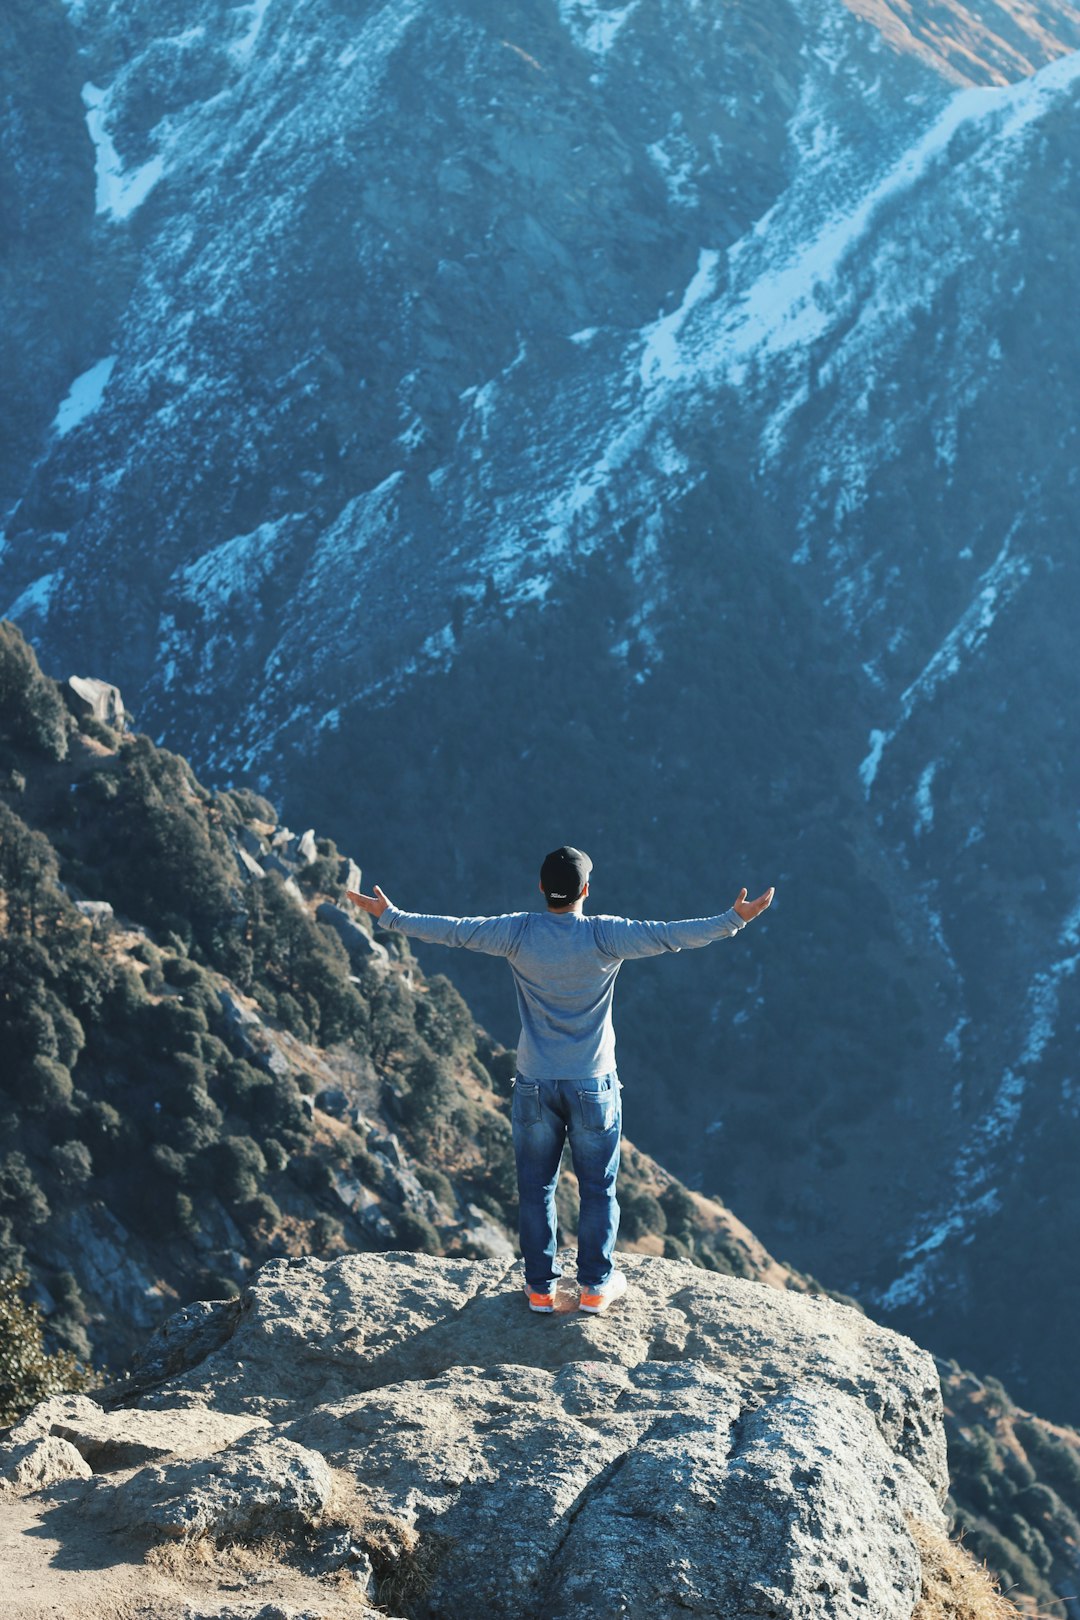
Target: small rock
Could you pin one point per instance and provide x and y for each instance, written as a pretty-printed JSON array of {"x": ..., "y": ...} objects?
[
  {"x": 40, "y": 1463},
  {"x": 273, "y": 862},
  {"x": 486, "y": 1237},
  {"x": 249, "y": 839},
  {"x": 248, "y": 865},
  {"x": 99, "y": 912},
  {"x": 257, "y": 1487},
  {"x": 333, "y": 1101}
]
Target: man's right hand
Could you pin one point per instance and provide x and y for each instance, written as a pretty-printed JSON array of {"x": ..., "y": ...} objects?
[
  {"x": 375, "y": 904},
  {"x": 744, "y": 908}
]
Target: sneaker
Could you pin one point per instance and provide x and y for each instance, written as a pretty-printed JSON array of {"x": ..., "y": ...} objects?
[
  {"x": 542, "y": 1298},
  {"x": 597, "y": 1300}
]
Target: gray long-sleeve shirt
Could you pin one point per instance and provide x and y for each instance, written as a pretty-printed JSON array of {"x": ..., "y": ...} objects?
[{"x": 564, "y": 966}]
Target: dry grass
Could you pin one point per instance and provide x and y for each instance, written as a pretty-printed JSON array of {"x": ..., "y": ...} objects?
[
  {"x": 954, "y": 1586},
  {"x": 180, "y": 1558}
]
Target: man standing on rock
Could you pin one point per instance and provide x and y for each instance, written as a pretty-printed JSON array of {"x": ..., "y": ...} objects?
[{"x": 564, "y": 966}]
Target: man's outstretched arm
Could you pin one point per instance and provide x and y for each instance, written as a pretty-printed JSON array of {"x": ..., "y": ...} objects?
[
  {"x": 495, "y": 936},
  {"x": 625, "y": 939}
]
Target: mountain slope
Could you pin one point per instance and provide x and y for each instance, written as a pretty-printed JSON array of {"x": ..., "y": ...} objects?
[
  {"x": 659, "y": 420},
  {"x": 167, "y": 1131}
]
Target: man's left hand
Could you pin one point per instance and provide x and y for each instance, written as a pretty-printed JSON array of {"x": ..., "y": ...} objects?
[
  {"x": 749, "y": 909},
  {"x": 374, "y": 904}
]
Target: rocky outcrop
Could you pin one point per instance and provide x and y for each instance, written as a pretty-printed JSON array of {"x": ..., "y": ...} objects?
[
  {"x": 356, "y": 940},
  {"x": 96, "y": 700},
  {"x": 710, "y": 1446}
]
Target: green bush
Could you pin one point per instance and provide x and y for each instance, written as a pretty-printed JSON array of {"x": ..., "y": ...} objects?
[
  {"x": 236, "y": 1166},
  {"x": 436, "y": 1182},
  {"x": 260, "y": 1211},
  {"x": 274, "y": 1153},
  {"x": 21, "y": 1199},
  {"x": 443, "y": 1019},
  {"x": 1056, "y": 1462},
  {"x": 416, "y": 1232},
  {"x": 31, "y": 709},
  {"x": 327, "y": 1232},
  {"x": 641, "y": 1214},
  {"x": 71, "y": 1163},
  {"x": 680, "y": 1211},
  {"x": 49, "y": 1085},
  {"x": 28, "y": 1373},
  {"x": 210, "y": 1285}
]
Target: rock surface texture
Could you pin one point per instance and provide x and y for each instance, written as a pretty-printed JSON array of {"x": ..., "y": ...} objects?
[{"x": 709, "y": 1447}]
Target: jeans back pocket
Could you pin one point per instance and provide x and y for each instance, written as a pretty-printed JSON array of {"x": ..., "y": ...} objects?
[
  {"x": 525, "y": 1103},
  {"x": 598, "y": 1106}
]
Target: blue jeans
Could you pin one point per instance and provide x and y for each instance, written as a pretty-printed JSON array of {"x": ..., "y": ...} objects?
[{"x": 543, "y": 1114}]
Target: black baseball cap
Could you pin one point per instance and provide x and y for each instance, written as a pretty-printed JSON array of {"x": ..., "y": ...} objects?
[{"x": 564, "y": 874}]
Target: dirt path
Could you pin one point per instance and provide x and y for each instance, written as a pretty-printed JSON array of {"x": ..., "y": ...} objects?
[{"x": 57, "y": 1560}]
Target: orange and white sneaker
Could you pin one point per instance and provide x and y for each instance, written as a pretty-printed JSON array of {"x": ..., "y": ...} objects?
[
  {"x": 597, "y": 1300},
  {"x": 542, "y": 1298}
]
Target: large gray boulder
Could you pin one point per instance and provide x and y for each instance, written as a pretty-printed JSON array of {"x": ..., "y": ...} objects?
[
  {"x": 710, "y": 1446},
  {"x": 357, "y": 941},
  {"x": 260, "y": 1486},
  {"x": 86, "y": 697}
]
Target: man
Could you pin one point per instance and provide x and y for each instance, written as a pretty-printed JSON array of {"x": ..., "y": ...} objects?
[{"x": 564, "y": 966}]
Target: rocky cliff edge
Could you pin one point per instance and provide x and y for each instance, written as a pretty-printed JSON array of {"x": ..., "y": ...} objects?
[{"x": 399, "y": 1429}]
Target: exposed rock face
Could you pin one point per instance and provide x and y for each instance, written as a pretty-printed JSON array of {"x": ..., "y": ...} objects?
[
  {"x": 356, "y": 940},
  {"x": 258, "y": 1486},
  {"x": 98, "y": 699},
  {"x": 710, "y": 1446}
]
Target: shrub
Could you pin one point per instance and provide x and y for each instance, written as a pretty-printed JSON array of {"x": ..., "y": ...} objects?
[
  {"x": 680, "y": 1210},
  {"x": 71, "y": 1163},
  {"x": 21, "y": 1199},
  {"x": 641, "y": 1214},
  {"x": 260, "y": 1211},
  {"x": 274, "y": 1153},
  {"x": 49, "y": 1085},
  {"x": 326, "y": 1232},
  {"x": 443, "y": 1019},
  {"x": 186, "y": 1216},
  {"x": 436, "y": 1182},
  {"x": 31, "y": 709},
  {"x": 212, "y": 1285},
  {"x": 236, "y": 1165},
  {"x": 416, "y": 1232},
  {"x": 1056, "y": 1461},
  {"x": 28, "y": 874},
  {"x": 28, "y": 1373},
  {"x": 428, "y": 1103}
]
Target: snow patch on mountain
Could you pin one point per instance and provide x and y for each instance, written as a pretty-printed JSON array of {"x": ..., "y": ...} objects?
[
  {"x": 661, "y": 360},
  {"x": 974, "y": 1166},
  {"x": 237, "y": 566},
  {"x": 676, "y": 158},
  {"x": 84, "y": 396},
  {"x": 592, "y": 26},
  {"x": 34, "y": 601},
  {"x": 119, "y": 192},
  {"x": 242, "y": 49},
  {"x": 997, "y": 586},
  {"x": 924, "y": 800}
]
